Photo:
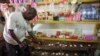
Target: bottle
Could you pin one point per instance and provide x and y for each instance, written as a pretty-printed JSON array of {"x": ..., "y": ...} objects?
[
  {"x": 42, "y": 54},
  {"x": 67, "y": 54},
  {"x": 75, "y": 54},
  {"x": 89, "y": 45},
  {"x": 62, "y": 54},
  {"x": 75, "y": 45},
  {"x": 53, "y": 54},
  {"x": 81, "y": 45}
]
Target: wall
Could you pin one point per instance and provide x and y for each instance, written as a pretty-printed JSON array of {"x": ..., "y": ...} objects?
[{"x": 51, "y": 28}]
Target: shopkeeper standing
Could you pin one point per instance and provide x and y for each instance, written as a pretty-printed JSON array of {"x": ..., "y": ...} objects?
[{"x": 15, "y": 30}]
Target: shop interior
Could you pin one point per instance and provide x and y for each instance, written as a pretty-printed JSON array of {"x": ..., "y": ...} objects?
[{"x": 65, "y": 27}]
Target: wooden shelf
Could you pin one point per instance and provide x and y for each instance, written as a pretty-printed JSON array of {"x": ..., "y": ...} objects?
[
  {"x": 65, "y": 22},
  {"x": 38, "y": 3},
  {"x": 83, "y": 1},
  {"x": 68, "y": 40},
  {"x": 42, "y": 3},
  {"x": 88, "y": 1},
  {"x": 12, "y": 4}
]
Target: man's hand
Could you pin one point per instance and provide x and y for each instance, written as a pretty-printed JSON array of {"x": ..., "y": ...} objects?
[{"x": 35, "y": 39}]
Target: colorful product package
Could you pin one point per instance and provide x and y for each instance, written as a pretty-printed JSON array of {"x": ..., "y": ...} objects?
[
  {"x": 89, "y": 12},
  {"x": 88, "y": 37}
]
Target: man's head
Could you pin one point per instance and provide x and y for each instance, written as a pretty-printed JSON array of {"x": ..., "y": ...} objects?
[{"x": 30, "y": 14}]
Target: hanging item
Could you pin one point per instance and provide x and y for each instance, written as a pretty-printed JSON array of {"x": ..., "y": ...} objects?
[
  {"x": 33, "y": 4},
  {"x": 18, "y": 1}
]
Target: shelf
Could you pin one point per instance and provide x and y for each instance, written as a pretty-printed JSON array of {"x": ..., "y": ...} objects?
[
  {"x": 83, "y": 1},
  {"x": 38, "y": 3},
  {"x": 61, "y": 48},
  {"x": 42, "y": 3},
  {"x": 88, "y": 1},
  {"x": 69, "y": 40},
  {"x": 12, "y": 4},
  {"x": 65, "y": 22}
]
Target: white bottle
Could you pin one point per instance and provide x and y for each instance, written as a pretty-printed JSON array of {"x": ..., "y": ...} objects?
[{"x": 67, "y": 54}]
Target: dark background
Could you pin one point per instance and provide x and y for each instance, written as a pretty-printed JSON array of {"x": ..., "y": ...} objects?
[{"x": 4, "y": 1}]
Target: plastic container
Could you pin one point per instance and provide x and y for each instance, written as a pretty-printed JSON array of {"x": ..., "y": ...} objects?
[{"x": 88, "y": 37}]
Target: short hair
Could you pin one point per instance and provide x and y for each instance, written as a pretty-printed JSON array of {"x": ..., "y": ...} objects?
[{"x": 32, "y": 12}]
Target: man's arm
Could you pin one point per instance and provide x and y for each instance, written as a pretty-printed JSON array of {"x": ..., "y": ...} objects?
[
  {"x": 11, "y": 25},
  {"x": 32, "y": 35},
  {"x": 14, "y": 36},
  {"x": 35, "y": 40}
]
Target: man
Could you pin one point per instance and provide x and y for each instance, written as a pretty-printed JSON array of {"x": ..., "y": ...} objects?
[{"x": 15, "y": 31}]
